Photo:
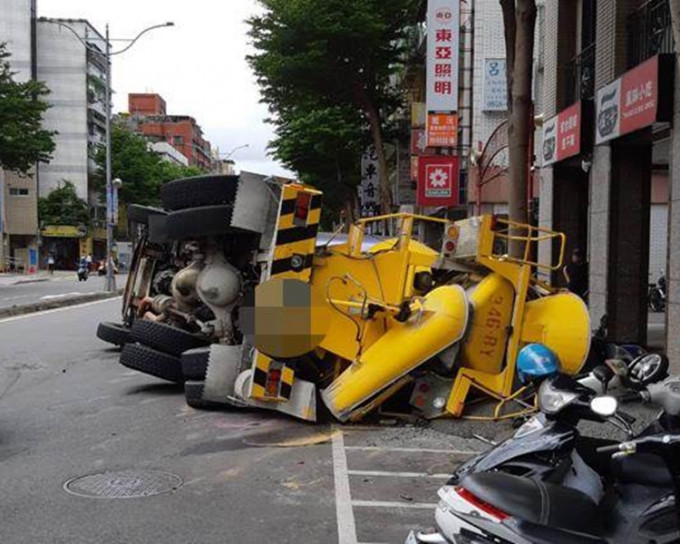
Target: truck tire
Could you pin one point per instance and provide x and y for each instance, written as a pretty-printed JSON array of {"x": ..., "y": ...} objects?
[
  {"x": 193, "y": 393},
  {"x": 113, "y": 333},
  {"x": 141, "y": 214},
  {"x": 166, "y": 338},
  {"x": 195, "y": 363},
  {"x": 199, "y": 222},
  {"x": 199, "y": 191},
  {"x": 152, "y": 362}
]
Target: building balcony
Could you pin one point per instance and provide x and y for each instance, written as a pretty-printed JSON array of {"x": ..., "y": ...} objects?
[
  {"x": 96, "y": 118},
  {"x": 580, "y": 76},
  {"x": 649, "y": 32}
]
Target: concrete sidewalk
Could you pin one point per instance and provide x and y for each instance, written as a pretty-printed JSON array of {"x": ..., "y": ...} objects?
[{"x": 9, "y": 279}]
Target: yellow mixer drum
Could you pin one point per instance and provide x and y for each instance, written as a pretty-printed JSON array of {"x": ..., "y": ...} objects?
[{"x": 562, "y": 323}]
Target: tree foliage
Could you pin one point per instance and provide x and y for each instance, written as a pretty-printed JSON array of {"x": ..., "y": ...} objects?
[
  {"x": 141, "y": 169},
  {"x": 23, "y": 141},
  {"x": 323, "y": 144},
  {"x": 330, "y": 61},
  {"x": 63, "y": 206}
]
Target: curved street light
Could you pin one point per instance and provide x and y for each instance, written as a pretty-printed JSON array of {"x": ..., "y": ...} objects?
[
  {"x": 230, "y": 153},
  {"x": 107, "y": 54}
]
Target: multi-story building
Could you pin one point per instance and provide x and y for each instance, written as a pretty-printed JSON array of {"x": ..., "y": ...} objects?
[
  {"x": 18, "y": 194},
  {"x": 76, "y": 77},
  {"x": 148, "y": 116},
  {"x": 608, "y": 179}
]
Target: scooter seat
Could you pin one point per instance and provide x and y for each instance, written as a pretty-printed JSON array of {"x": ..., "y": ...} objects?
[{"x": 536, "y": 501}]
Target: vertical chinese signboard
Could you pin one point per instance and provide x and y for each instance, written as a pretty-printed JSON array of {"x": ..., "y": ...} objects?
[
  {"x": 638, "y": 99},
  {"x": 562, "y": 135},
  {"x": 370, "y": 184},
  {"x": 443, "y": 40},
  {"x": 495, "y": 90},
  {"x": 438, "y": 181}
]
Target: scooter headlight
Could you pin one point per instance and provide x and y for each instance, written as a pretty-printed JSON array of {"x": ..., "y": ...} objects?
[{"x": 551, "y": 400}]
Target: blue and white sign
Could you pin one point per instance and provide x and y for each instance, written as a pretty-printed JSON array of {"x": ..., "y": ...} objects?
[
  {"x": 112, "y": 202},
  {"x": 495, "y": 90}
]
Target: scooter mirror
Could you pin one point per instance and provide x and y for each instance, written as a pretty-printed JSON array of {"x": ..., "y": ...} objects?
[{"x": 604, "y": 406}]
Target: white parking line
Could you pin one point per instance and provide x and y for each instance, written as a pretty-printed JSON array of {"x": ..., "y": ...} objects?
[
  {"x": 411, "y": 450},
  {"x": 347, "y": 532},
  {"x": 386, "y": 504},
  {"x": 397, "y": 474}
]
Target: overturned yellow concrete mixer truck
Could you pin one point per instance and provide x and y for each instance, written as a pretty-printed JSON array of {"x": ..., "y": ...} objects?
[{"x": 343, "y": 326}]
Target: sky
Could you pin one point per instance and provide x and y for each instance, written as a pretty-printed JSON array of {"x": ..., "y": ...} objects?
[{"x": 198, "y": 66}]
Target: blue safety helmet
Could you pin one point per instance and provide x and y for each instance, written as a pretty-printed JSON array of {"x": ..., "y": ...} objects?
[{"x": 536, "y": 361}]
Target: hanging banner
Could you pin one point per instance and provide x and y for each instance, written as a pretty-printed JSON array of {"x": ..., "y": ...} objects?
[
  {"x": 112, "y": 202},
  {"x": 438, "y": 183},
  {"x": 370, "y": 184},
  {"x": 443, "y": 40},
  {"x": 638, "y": 99}
]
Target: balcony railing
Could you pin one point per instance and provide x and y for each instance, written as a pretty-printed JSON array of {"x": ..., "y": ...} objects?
[
  {"x": 649, "y": 32},
  {"x": 580, "y": 76}
]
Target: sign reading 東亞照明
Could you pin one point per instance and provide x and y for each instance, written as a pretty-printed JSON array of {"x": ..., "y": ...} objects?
[{"x": 443, "y": 39}]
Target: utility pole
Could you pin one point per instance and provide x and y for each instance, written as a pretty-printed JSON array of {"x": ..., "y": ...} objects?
[{"x": 110, "y": 276}]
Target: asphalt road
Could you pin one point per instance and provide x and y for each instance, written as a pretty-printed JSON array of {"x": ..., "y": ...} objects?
[
  {"x": 68, "y": 409},
  {"x": 60, "y": 287}
]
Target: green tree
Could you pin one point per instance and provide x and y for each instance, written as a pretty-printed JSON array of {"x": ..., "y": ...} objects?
[
  {"x": 324, "y": 144},
  {"x": 141, "y": 169},
  {"x": 343, "y": 56},
  {"x": 63, "y": 206},
  {"x": 23, "y": 141}
]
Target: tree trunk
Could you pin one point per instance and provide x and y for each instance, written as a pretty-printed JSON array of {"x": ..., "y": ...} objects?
[{"x": 520, "y": 122}]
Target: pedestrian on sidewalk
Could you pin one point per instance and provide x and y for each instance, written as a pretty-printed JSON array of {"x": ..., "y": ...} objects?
[
  {"x": 88, "y": 260},
  {"x": 50, "y": 263},
  {"x": 576, "y": 274}
]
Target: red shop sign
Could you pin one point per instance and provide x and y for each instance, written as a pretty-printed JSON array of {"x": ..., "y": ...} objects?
[
  {"x": 638, "y": 99},
  {"x": 438, "y": 181},
  {"x": 562, "y": 135}
]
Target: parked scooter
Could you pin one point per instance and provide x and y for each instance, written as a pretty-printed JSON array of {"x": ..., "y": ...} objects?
[{"x": 489, "y": 499}]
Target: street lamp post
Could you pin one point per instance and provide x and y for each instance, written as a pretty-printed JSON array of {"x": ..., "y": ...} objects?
[
  {"x": 228, "y": 155},
  {"x": 110, "y": 277}
]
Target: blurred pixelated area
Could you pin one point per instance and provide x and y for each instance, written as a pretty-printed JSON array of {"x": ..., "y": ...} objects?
[{"x": 282, "y": 318}]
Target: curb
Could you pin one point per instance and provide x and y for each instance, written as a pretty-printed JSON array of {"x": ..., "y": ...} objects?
[
  {"x": 24, "y": 282},
  {"x": 53, "y": 304}
]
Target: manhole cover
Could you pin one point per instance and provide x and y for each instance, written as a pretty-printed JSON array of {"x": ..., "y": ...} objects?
[{"x": 126, "y": 484}]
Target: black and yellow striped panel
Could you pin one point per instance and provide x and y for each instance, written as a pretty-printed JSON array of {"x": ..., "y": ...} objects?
[
  {"x": 295, "y": 241},
  {"x": 263, "y": 367}
]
